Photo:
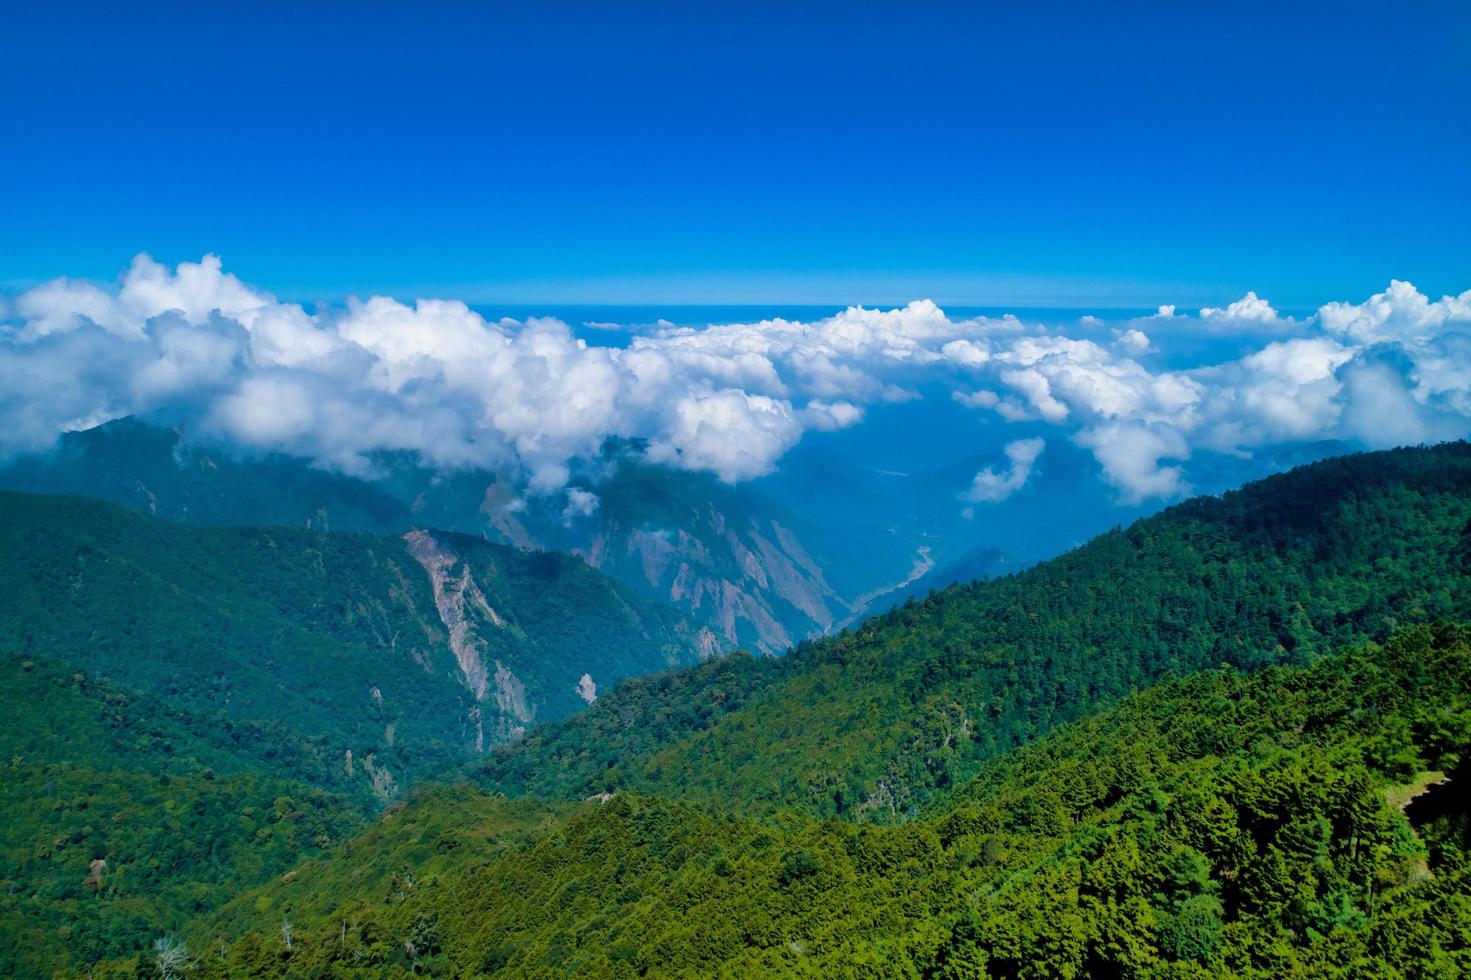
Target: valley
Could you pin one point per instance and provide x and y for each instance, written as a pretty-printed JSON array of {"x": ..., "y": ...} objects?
[{"x": 1211, "y": 763}]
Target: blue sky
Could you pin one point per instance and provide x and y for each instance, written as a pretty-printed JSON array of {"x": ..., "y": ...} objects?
[{"x": 1088, "y": 155}]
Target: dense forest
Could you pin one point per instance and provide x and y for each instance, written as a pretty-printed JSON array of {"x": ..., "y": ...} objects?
[
  {"x": 1291, "y": 822},
  {"x": 876, "y": 722},
  {"x": 736, "y": 561},
  {"x": 125, "y": 817},
  {"x": 1229, "y": 740},
  {"x": 344, "y": 639}
]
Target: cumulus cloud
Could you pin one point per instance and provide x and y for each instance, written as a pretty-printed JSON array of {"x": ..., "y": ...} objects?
[
  {"x": 433, "y": 378},
  {"x": 976, "y": 399},
  {"x": 1250, "y": 313},
  {"x": 437, "y": 380},
  {"x": 1401, "y": 313},
  {"x": 1130, "y": 454},
  {"x": 992, "y": 486},
  {"x": 1133, "y": 342}
]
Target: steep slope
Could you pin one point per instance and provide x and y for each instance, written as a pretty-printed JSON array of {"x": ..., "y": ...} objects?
[
  {"x": 124, "y": 817},
  {"x": 397, "y": 656},
  {"x": 721, "y": 553},
  {"x": 727, "y": 556},
  {"x": 57, "y": 713},
  {"x": 1218, "y": 825},
  {"x": 876, "y": 722}
]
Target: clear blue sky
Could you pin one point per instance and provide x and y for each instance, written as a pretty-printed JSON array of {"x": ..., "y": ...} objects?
[{"x": 1030, "y": 154}]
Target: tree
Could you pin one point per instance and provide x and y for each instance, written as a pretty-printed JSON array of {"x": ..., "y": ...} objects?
[{"x": 171, "y": 955}]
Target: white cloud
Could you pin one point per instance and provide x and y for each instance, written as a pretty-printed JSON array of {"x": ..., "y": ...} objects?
[
  {"x": 731, "y": 433},
  {"x": 1130, "y": 453},
  {"x": 1134, "y": 342},
  {"x": 580, "y": 503},
  {"x": 991, "y": 486},
  {"x": 1400, "y": 313},
  {"x": 976, "y": 399},
  {"x": 830, "y": 416},
  {"x": 1250, "y": 310},
  {"x": 1287, "y": 390},
  {"x": 966, "y": 353},
  {"x": 437, "y": 380}
]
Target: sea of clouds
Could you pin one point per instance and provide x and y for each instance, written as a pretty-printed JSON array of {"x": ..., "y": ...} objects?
[{"x": 340, "y": 386}]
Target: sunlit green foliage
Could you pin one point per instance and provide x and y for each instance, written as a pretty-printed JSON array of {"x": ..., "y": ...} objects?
[
  {"x": 1221, "y": 824},
  {"x": 876, "y": 722},
  {"x": 1173, "y": 752}
]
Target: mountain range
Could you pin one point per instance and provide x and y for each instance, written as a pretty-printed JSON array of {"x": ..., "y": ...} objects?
[
  {"x": 733, "y": 559},
  {"x": 1227, "y": 739},
  {"x": 394, "y": 656}
]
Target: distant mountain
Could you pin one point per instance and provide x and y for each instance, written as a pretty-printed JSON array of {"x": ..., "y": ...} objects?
[
  {"x": 974, "y": 565},
  {"x": 1174, "y": 751},
  {"x": 729, "y": 557},
  {"x": 876, "y": 722},
  {"x": 396, "y": 656}
]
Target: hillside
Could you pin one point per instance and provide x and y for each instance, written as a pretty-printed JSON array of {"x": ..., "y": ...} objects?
[
  {"x": 1290, "y": 822},
  {"x": 730, "y": 558},
  {"x": 392, "y": 657},
  {"x": 1175, "y": 751},
  {"x": 126, "y": 817},
  {"x": 877, "y": 722}
]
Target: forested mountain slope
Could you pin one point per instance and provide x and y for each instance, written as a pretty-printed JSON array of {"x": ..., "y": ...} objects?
[
  {"x": 877, "y": 722},
  {"x": 1288, "y": 822},
  {"x": 392, "y": 656},
  {"x": 125, "y": 817},
  {"x": 729, "y": 557}
]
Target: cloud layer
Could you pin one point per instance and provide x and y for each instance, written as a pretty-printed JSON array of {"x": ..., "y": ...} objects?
[{"x": 437, "y": 380}]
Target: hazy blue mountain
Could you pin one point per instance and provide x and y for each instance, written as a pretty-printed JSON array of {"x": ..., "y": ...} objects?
[
  {"x": 733, "y": 558},
  {"x": 821, "y": 542}
]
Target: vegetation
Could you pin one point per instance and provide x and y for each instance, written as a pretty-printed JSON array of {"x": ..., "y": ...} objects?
[
  {"x": 58, "y": 714},
  {"x": 877, "y": 722},
  {"x": 1220, "y": 824},
  {"x": 650, "y": 520},
  {"x": 337, "y": 638},
  {"x": 125, "y": 818},
  {"x": 1231, "y": 740}
]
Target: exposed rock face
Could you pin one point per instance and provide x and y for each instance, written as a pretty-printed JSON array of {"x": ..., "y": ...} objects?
[
  {"x": 464, "y": 610},
  {"x": 707, "y": 644},
  {"x": 751, "y": 582},
  {"x": 510, "y": 698},
  {"x": 454, "y": 594},
  {"x": 586, "y": 689},
  {"x": 385, "y": 787},
  {"x": 676, "y": 537}
]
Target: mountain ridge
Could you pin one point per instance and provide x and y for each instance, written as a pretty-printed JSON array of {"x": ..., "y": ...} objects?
[
  {"x": 335, "y": 634},
  {"x": 729, "y": 557},
  {"x": 880, "y": 718}
]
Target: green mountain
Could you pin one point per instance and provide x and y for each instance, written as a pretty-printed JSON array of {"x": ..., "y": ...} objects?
[
  {"x": 391, "y": 657},
  {"x": 1291, "y": 822},
  {"x": 877, "y": 722},
  {"x": 1229, "y": 740},
  {"x": 126, "y": 817},
  {"x": 729, "y": 557}
]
